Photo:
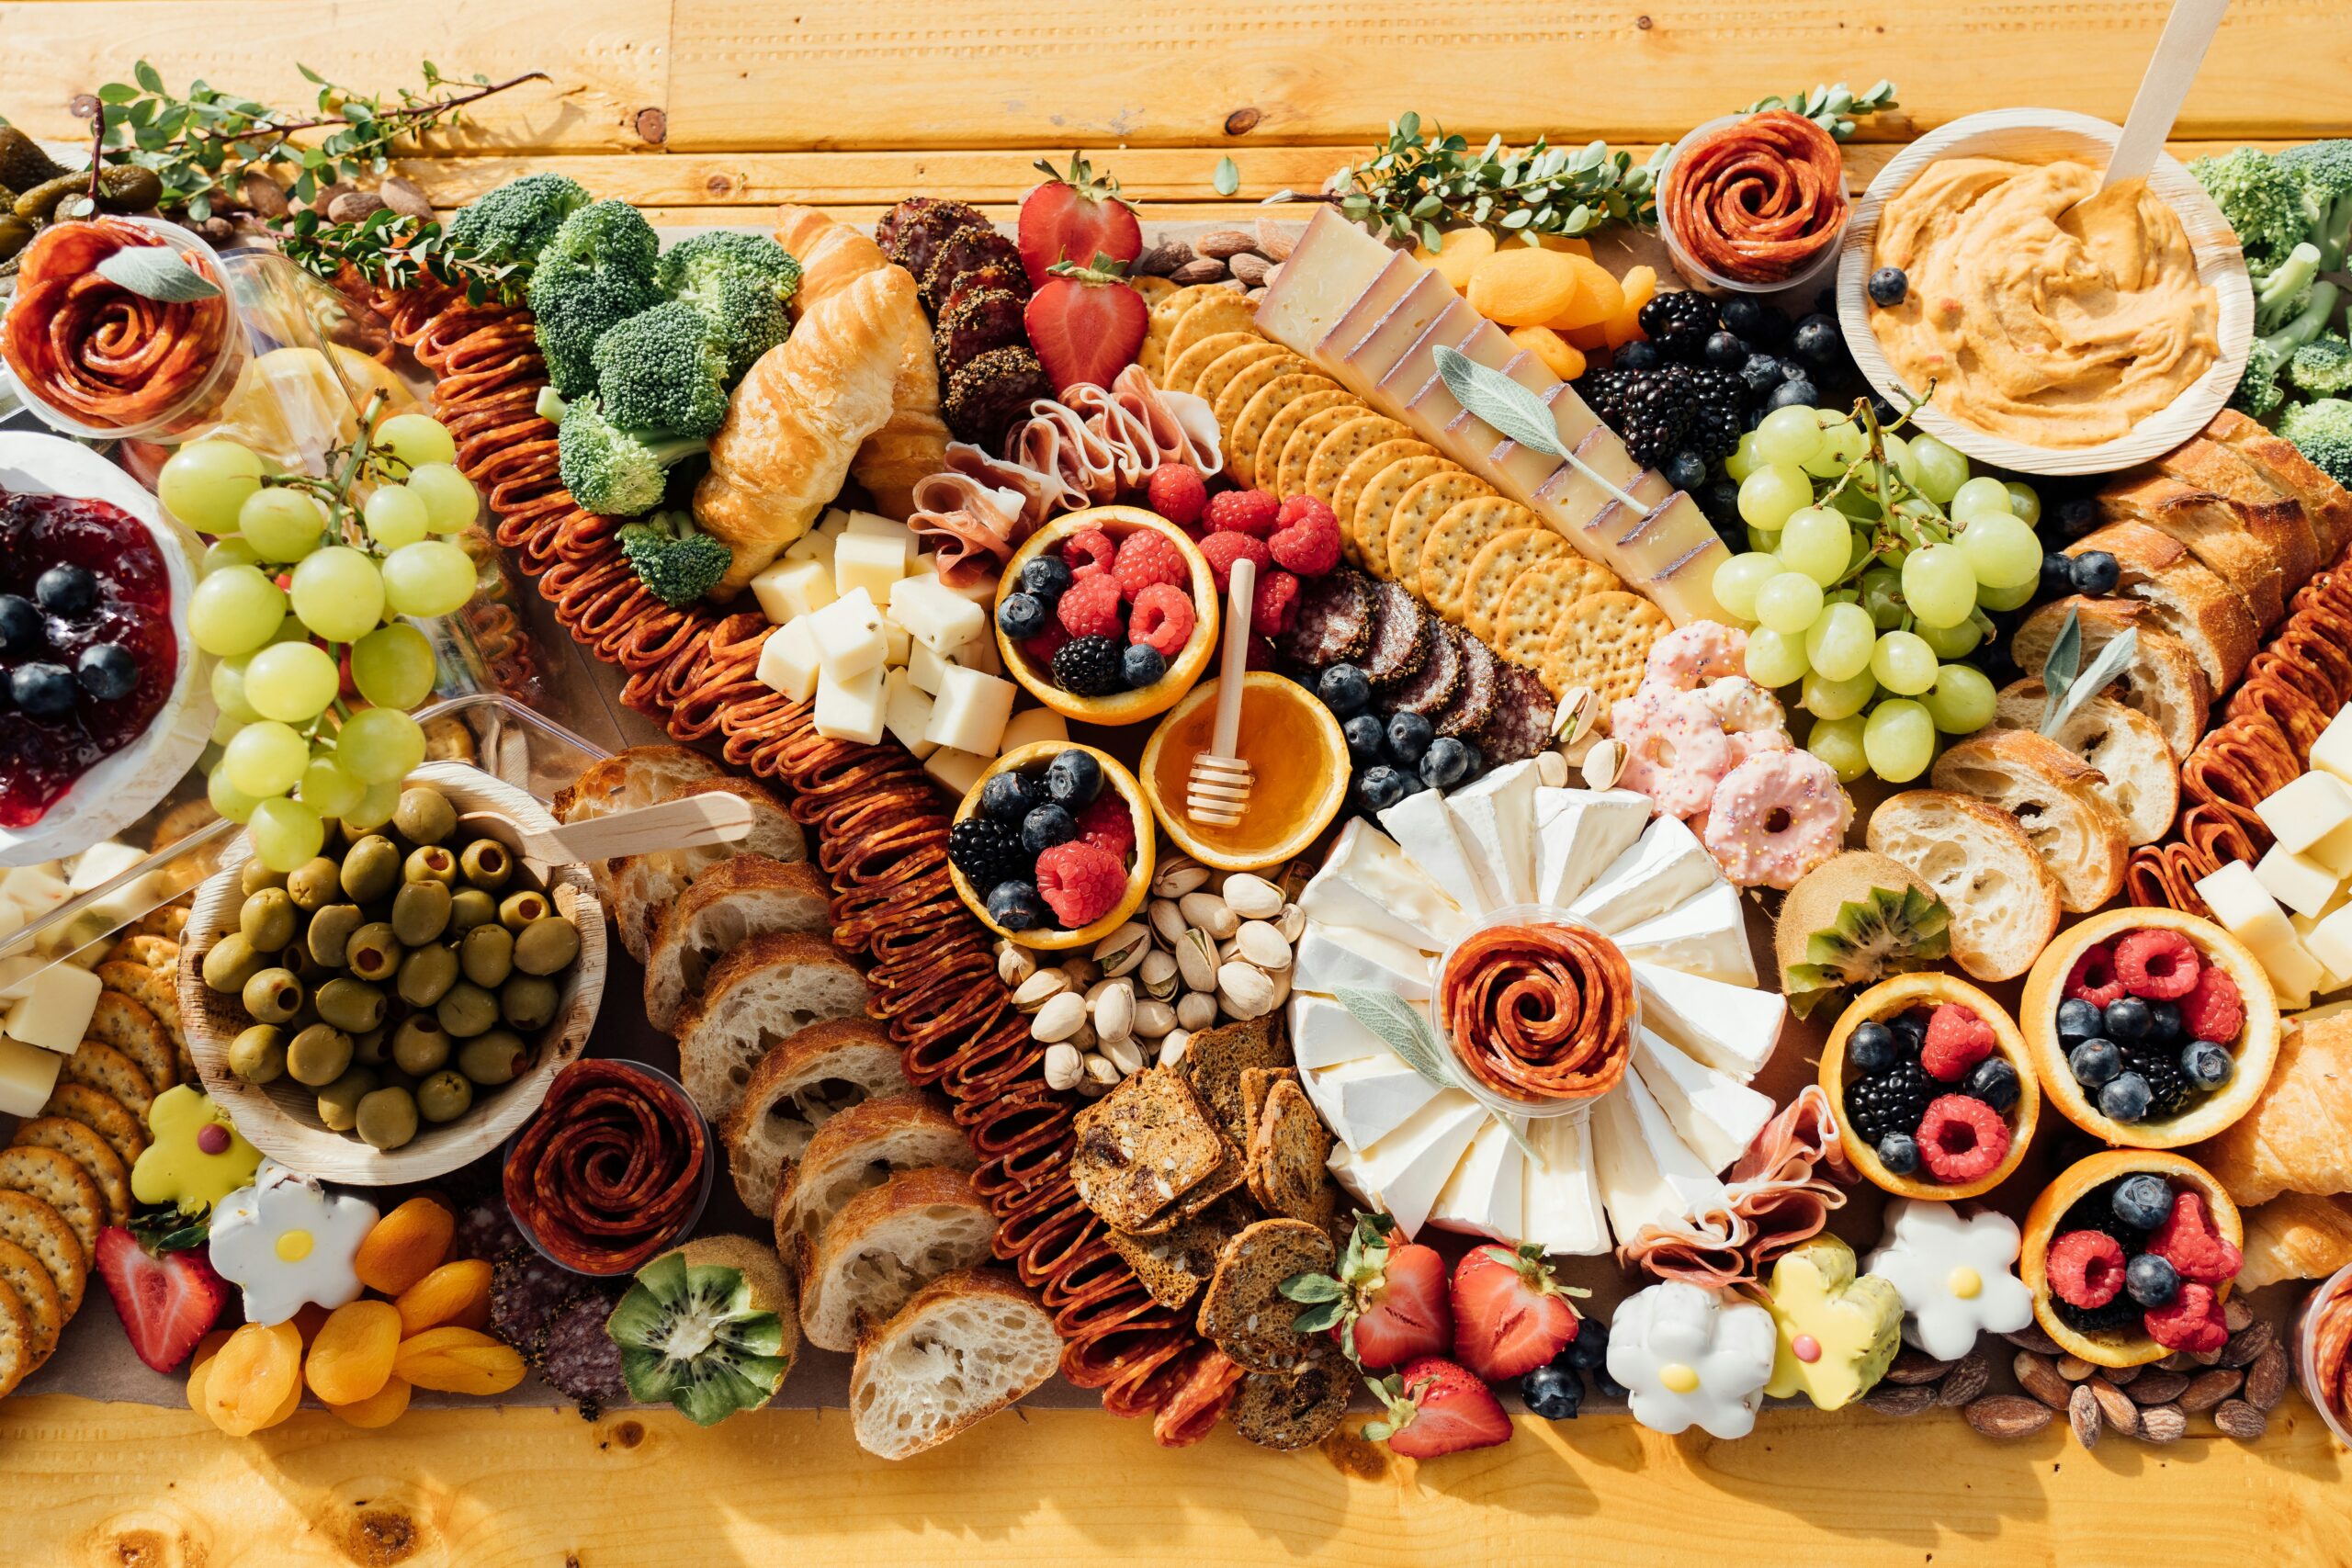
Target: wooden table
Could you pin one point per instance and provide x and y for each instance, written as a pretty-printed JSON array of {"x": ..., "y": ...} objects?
[{"x": 709, "y": 110}]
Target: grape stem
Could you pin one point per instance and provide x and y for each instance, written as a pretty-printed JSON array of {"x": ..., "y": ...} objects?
[{"x": 1886, "y": 482}]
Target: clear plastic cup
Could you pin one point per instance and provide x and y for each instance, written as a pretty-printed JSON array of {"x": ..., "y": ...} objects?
[
  {"x": 2302, "y": 1342},
  {"x": 684, "y": 1227},
  {"x": 1705, "y": 278},
  {"x": 1504, "y": 1102}
]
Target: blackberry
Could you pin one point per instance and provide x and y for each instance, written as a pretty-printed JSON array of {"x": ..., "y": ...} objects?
[
  {"x": 986, "y": 851},
  {"x": 1604, "y": 390},
  {"x": 1089, "y": 667},
  {"x": 1721, "y": 396},
  {"x": 1656, "y": 411},
  {"x": 1891, "y": 1102},
  {"x": 2120, "y": 1312},
  {"x": 1680, "y": 323},
  {"x": 2169, "y": 1090}
]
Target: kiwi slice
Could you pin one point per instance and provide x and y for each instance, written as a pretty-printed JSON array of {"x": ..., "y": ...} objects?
[
  {"x": 709, "y": 1328},
  {"x": 1853, "y": 920}
]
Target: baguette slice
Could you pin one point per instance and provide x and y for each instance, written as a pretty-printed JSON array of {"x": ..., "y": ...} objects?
[
  {"x": 740, "y": 897},
  {"x": 2326, "y": 503},
  {"x": 887, "y": 1244},
  {"x": 761, "y": 994},
  {"x": 646, "y": 885},
  {"x": 2163, "y": 680},
  {"x": 962, "y": 1350},
  {"x": 802, "y": 1083},
  {"x": 639, "y": 775},
  {"x": 2137, "y": 771},
  {"x": 2003, "y": 899},
  {"x": 2054, "y": 795},
  {"x": 2182, "y": 596},
  {"x": 2212, "y": 528},
  {"x": 2269, "y": 511},
  {"x": 852, "y": 1153}
]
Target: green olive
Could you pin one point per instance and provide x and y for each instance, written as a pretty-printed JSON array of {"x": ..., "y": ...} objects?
[
  {"x": 420, "y": 1044},
  {"x": 230, "y": 962},
  {"x": 296, "y": 959},
  {"x": 258, "y": 1056},
  {"x": 339, "y": 1100},
  {"x": 268, "y": 919},
  {"x": 488, "y": 953},
  {"x": 444, "y": 1097},
  {"x": 493, "y": 1059},
  {"x": 425, "y": 815},
  {"x": 372, "y": 1048},
  {"x": 547, "y": 946},
  {"x": 329, "y": 937},
  {"x": 519, "y": 910},
  {"x": 430, "y": 862},
  {"x": 486, "y": 863},
  {"x": 527, "y": 1002},
  {"x": 315, "y": 884},
  {"x": 420, "y": 912},
  {"x": 256, "y": 876},
  {"x": 273, "y": 996},
  {"x": 319, "y": 1056},
  {"x": 426, "y": 975},
  {"x": 373, "y": 953},
  {"x": 466, "y": 1010},
  {"x": 351, "y": 1005},
  {"x": 371, "y": 869},
  {"x": 471, "y": 907},
  {"x": 388, "y": 1117}
]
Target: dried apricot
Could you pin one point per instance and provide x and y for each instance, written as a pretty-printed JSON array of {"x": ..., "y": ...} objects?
[
  {"x": 457, "y": 1361},
  {"x": 1574, "y": 247},
  {"x": 1522, "y": 285},
  {"x": 381, "y": 1408},
  {"x": 251, "y": 1377},
  {"x": 286, "y": 1407},
  {"x": 405, "y": 1245},
  {"x": 352, "y": 1357},
  {"x": 456, "y": 1292},
  {"x": 1561, "y": 358},
  {"x": 1458, "y": 254}
]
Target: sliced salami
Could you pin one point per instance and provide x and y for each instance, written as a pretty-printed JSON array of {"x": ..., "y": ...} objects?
[
  {"x": 1432, "y": 686},
  {"x": 525, "y": 1291},
  {"x": 1474, "y": 702},
  {"x": 1521, "y": 725},
  {"x": 1401, "y": 637},
  {"x": 1334, "y": 622},
  {"x": 580, "y": 1357}
]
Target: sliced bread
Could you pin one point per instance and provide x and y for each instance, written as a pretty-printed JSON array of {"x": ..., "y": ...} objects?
[
  {"x": 1297, "y": 1411},
  {"x": 1287, "y": 1155},
  {"x": 854, "y": 1152},
  {"x": 760, "y": 995},
  {"x": 961, "y": 1349},
  {"x": 1214, "y": 1060},
  {"x": 2326, "y": 503},
  {"x": 804, "y": 1081},
  {"x": 887, "y": 1244},
  {"x": 740, "y": 897},
  {"x": 644, "y": 886},
  {"x": 2137, "y": 773},
  {"x": 2269, "y": 512},
  {"x": 2054, "y": 795},
  {"x": 2209, "y": 528},
  {"x": 2161, "y": 681},
  {"x": 2004, "y": 900},
  {"x": 1143, "y": 1146},
  {"x": 636, "y": 776},
  {"x": 2183, "y": 597},
  {"x": 1244, "y": 1309},
  {"x": 1175, "y": 1264}
]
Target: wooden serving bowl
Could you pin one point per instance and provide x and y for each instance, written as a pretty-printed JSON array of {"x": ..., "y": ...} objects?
[
  {"x": 2114, "y": 1347},
  {"x": 1899, "y": 995},
  {"x": 280, "y": 1118},
  {"x": 2257, "y": 1048},
  {"x": 1119, "y": 707},
  {"x": 1114, "y": 777}
]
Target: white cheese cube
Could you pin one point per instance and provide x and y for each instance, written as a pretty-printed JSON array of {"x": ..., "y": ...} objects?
[
  {"x": 28, "y": 1076},
  {"x": 868, "y": 561},
  {"x": 2306, "y": 810},
  {"x": 1031, "y": 726},
  {"x": 55, "y": 1011},
  {"x": 2330, "y": 941},
  {"x": 897, "y": 644},
  {"x": 814, "y": 545},
  {"x": 2297, "y": 881},
  {"x": 2332, "y": 752},
  {"x": 100, "y": 864},
  {"x": 2334, "y": 851},
  {"x": 35, "y": 889},
  {"x": 790, "y": 589},
  {"x": 12, "y": 920},
  {"x": 850, "y": 707},
  {"x": 981, "y": 654},
  {"x": 970, "y": 710},
  {"x": 925, "y": 669},
  {"x": 957, "y": 772},
  {"x": 940, "y": 618},
  {"x": 834, "y": 522},
  {"x": 850, "y": 639},
  {"x": 2245, "y": 909},
  {"x": 788, "y": 662},
  {"x": 906, "y": 712},
  {"x": 874, "y": 525},
  {"x": 16, "y": 971}
]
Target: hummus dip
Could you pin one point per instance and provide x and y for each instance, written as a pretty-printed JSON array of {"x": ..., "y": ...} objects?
[{"x": 2044, "y": 310}]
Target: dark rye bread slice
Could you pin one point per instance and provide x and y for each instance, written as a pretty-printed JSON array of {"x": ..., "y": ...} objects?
[
  {"x": 1244, "y": 1309},
  {"x": 1142, "y": 1147},
  {"x": 92, "y": 1152},
  {"x": 1176, "y": 1264},
  {"x": 1287, "y": 1156},
  {"x": 1291, "y": 1412},
  {"x": 57, "y": 1181},
  {"x": 1214, "y": 1060}
]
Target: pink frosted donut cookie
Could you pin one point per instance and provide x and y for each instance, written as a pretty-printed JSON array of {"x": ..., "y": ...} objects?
[
  {"x": 1775, "y": 816},
  {"x": 1703, "y": 651},
  {"x": 1675, "y": 750},
  {"x": 1747, "y": 743},
  {"x": 1742, "y": 706}
]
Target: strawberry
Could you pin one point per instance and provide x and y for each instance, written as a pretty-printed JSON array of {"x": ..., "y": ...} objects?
[
  {"x": 166, "y": 1301},
  {"x": 1436, "y": 1408},
  {"x": 1073, "y": 216},
  {"x": 1086, "y": 323},
  {"x": 1509, "y": 1314},
  {"x": 1387, "y": 1303}
]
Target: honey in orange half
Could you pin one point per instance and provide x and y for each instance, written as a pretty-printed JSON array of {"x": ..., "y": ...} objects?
[{"x": 1299, "y": 764}]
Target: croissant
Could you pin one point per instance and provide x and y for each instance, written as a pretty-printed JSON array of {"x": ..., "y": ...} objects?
[
  {"x": 913, "y": 445},
  {"x": 794, "y": 421},
  {"x": 2295, "y": 1236},
  {"x": 2293, "y": 1139}
]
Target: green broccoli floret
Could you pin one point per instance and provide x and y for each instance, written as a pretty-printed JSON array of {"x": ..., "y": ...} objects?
[
  {"x": 2263, "y": 203},
  {"x": 614, "y": 471},
  {"x": 596, "y": 273},
  {"x": 2281, "y": 293},
  {"x": 2323, "y": 432},
  {"x": 2323, "y": 367},
  {"x": 659, "y": 370},
  {"x": 738, "y": 284},
  {"x": 509, "y": 226},
  {"x": 677, "y": 560},
  {"x": 2325, "y": 169},
  {"x": 2258, "y": 392}
]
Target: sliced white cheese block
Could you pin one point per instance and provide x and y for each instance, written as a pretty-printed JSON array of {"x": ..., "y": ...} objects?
[
  {"x": 1327, "y": 958},
  {"x": 1647, "y": 1174},
  {"x": 1496, "y": 821},
  {"x": 1579, "y": 834},
  {"x": 1716, "y": 1114},
  {"x": 1666, "y": 866},
  {"x": 1367, "y": 884},
  {"x": 1706, "y": 935},
  {"x": 1347, "y": 1171},
  {"x": 1323, "y": 1035},
  {"x": 1410, "y": 1167},
  {"x": 1733, "y": 1028},
  {"x": 1484, "y": 1194},
  {"x": 1423, "y": 828},
  {"x": 1367, "y": 1100},
  {"x": 28, "y": 1076},
  {"x": 1561, "y": 1196},
  {"x": 2245, "y": 909}
]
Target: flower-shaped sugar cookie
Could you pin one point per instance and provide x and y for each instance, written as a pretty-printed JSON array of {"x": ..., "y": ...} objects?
[
  {"x": 1836, "y": 1332},
  {"x": 198, "y": 1157},
  {"x": 1953, "y": 1271},
  {"x": 1689, "y": 1356},
  {"x": 289, "y": 1240}
]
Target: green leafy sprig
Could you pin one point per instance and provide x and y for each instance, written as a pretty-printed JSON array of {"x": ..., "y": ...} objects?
[
  {"x": 395, "y": 250},
  {"x": 1832, "y": 105}
]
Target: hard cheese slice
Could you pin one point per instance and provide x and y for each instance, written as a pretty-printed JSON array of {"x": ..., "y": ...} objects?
[
  {"x": 1706, "y": 935},
  {"x": 1732, "y": 1028},
  {"x": 1647, "y": 1174},
  {"x": 1562, "y": 1196},
  {"x": 1579, "y": 834},
  {"x": 1667, "y": 865},
  {"x": 1329, "y": 959},
  {"x": 1495, "y": 820},
  {"x": 1716, "y": 1114},
  {"x": 1410, "y": 1167},
  {"x": 1323, "y": 1034},
  {"x": 1484, "y": 1191},
  {"x": 1366, "y": 1101},
  {"x": 1366, "y": 884},
  {"x": 1336, "y": 261}
]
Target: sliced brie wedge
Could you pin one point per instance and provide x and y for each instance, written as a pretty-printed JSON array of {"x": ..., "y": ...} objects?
[
  {"x": 1327, "y": 960},
  {"x": 1715, "y": 1113},
  {"x": 1562, "y": 1198},
  {"x": 1667, "y": 865},
  {"x": 1495, "y": 821},
  {"x": 1647, "y": 1174},
  {"x": 1579, "y": 833},
  {"x": 1410, "y": 1167},
  {"x": 1366, "y": 884},
  {"x": 1706, "y": 935},
  {"x": 1483, "y": 1195},
  {"x": 1323, "y": 1034},
  {"x": 1423, "y": 828},
  {"x": 1731, "y": 1028},
  {"x": 1365, "y": 1101}
]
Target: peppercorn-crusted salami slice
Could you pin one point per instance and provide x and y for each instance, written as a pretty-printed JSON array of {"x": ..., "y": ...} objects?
[
  {"x": 1402, "y": 636},
  {"x": 1432, "y": 686},
  {"x": 910, "y": 233},
  {"x": 969, "y": 249},
  {"x": 580, "y": 1357},
  {"x": 526, "y": 1292},
  {"x": 1521, "y": 725},
  {"x": 1334, "y": 622},
  {"x": 975, "y": 323},
  {"x": 1474, "y": 700}
]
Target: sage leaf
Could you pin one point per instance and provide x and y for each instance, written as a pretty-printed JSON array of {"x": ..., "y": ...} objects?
[
  {"x": 1402, "y": 1027},
  {"x": 2105, "y": 666},
  {"x": 1227, "y": 178},
  {"x": 157, "y": 272},
  {"x": 1515, "y": 412},
  {"x": 2058, "y": 670}
]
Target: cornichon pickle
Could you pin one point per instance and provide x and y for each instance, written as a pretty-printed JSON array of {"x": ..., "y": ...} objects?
[{"x": 38, "y": 205}]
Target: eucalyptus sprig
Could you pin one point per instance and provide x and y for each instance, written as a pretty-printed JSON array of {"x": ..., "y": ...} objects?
[
  {"x": 1832, "y": 105},
  {"x": 393, "y": 250}
]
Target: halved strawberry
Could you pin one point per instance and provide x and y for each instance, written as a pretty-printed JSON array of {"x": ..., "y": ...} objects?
[
  {"x": 1086, "y": 323},
  {"x": 166, "y": 1303},
  {"x": 1387, "y": 1303},
  {"x": 1509, "y": 1314},
  {"x": 1073, "y": 216},
  {"x": 1436, "y": 1407}
]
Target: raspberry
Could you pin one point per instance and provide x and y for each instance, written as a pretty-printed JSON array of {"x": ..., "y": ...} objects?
[
  {"x": 2093, "y": 978},
  {"x": 1176, "y": 492},
  {"x": 1963, "y": 1138},
  {"x": 1224, "y": 549},
  {"x": 1106, "y": 822},
  {"x": 2213, "y": 1009},
  {"x": 1250, "y": 512},
  {"x": 1042, "y": 648},
  {"x": 2188, "y": 1242},
  {"x": 1957, "y": 1040},
  {"x": 1162, "y": 618},
  {"x": 1259, "y": 654},
  {"x": 1089, "y": 552},
  {"x": 1080, "y": 882},
  {"x": 2156, "y": 963},
  {"x": 1276, "y": 604},
  {"x": 2191, "y": 1321},
  {"x": 1306, "y": 537},
  {"x": 1146, "y": 557},
  {"x": 1090, "y": 609},
  {"x": 2085, "y": 1268}
]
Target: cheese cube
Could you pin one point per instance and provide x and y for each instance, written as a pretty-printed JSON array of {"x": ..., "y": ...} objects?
[
  {"x": 16, "y": 971},
  {"x": 897, "y": 644},
  {"x": 2330, "y": 941},
  {"x": 874, "y": 525},
  {"x": 1031, "y": 726},
  {"x": 925, "y": 669},
  {"x": 850, "y": 639},
  {"x": 2245, "y": 909},
  {"x": 2306, "y": 810},
  {"x": 957, "y": 772},
  {"x": 2297, "y": 881},
  {"x": 790, "y": 589},
  {"x": 2334, "y": 851},
  {"x": 906, "y": 712},
  {"x": 55, "y": 1011},
  {"x": 35, "y": 889},
  {"x": 814, "y": 545},
  {"x": 850, "y": 707},
  {"x": 971, "y": 710},
  {"x": 2332, "y": 752},
  {"x": 868, "y": 561},
  {"x": 12, "y": 920},
  {"x": 981, "y": 654},
  {"x": 941, "y": 619},
  {"x": 788, "y": 662},
  {"x": 27, "y": 1077},
  {"x": 102, "y": 862}
]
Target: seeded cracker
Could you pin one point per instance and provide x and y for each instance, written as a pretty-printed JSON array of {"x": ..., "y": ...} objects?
[
  {"x": 1186, "y": 369},
  {"x": 44, "y": 1308},
  {"x": 56, "y": 1181},
  {"x": 1292, "y": 1413},
  {"x": 1214, "y": 1060},
  {"x": 1211, "y": 383},
  {"x": 1417, "y": 510},
  {"x": 42, "y": 1231},
  {"x": 1377, "y": 504},
  {"x": 1298, "y": 451},
  {"x": 1497, "y": 564},
  {"x": 1266, "y": 463},
  {"x": 89, "y": 1151},
  {"x": 1533, "y": 608},
  {"x": 103, "y": 1068},
  {"x": 1244, "y": 1309},
  {"x": 1153, "y": 290},
  {"x": 1257, "y": 418},
  {"x": 1340, "y": 450},
  {"x": 1175, "y": 1265},
  {"x": 1454, "y": 542},
  {"x": 1255, "y": 1083},
  {"x": 1142, "y": 1147},
  {"x": 1218, "y": 311},
  {"x": 1165, "y": 312},
  {"x": 1603, "y": 644},
  {"x": 1245, "y": 384},
  {"x": 103, "y": 1114},
  {"x": 130, "y": 1029}
]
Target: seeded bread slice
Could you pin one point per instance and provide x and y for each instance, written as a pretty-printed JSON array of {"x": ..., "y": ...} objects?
[
  {"x": 737, "y": 900},
  {"x": 1286, "y": 1158},
  {"x": 1214, "y": 1061},
  {"x": 1255, "y": 1082},
  {"x": 1289, "y": 1413},
  {"x": 1141, "y": 1147},
  {"x": 1244, "y": 1309},
  {"x": 1175, "y": 1264}
]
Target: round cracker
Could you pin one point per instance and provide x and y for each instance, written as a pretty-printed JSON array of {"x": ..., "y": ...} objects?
[
  {"x": 1246, "y": 382},
  {"x": 1153, "y": 290},
  {"x": 1217, "y": 312},
  {"x": 168, "y": 921},
  {"x": 130, "y": 1029},
  {"x": 1210, "y": 384},
  {"x": 150, "y": 988},
  {"x": 1185, "y": 369},
  {"x": 155, "y": 951},
  {"x": 1533, "y": 606},
  {"x": 18, "y": 1357},
  {"x": 1161, "y": 319},
  {"x": 92, "y": 1152},
  {"x": 102, "y": 1067},
  {"x": 1266, "y": 463},
  {"x": 1497, "y": 562},
  {"x": 1258, "y": 416},
  {"x": 1347, "y": 494},
  {"x": 1417, "y": 512},
  {"x": 57, "y": 1179},
  {"x": 103, "y": 1114},
  {"x": 44, "y": 1309},
  {"x": 42, "y": 1231},
  {"x": 1349, "y": 440},
  {"x": 1603, "y": 644},
  {"x": 1298, "y": 449},
  {"x": 1453, "y": 541},
  {"x": 1377, "y": 502}
]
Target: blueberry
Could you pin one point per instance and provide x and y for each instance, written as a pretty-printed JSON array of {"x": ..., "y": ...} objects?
[
  {"x": 1605, "y": 1385},
  {"x": 1021, "y": 616},
  {"x": 1045, "y": 828},
  {"x": 1817, "y": 341},
  {"x": 1872, "y": 1049},
  {"x": 1797, "y": 394},
  {"x": 1993, "y": 1080},
  {"x": 65, "y": 590},
  {"x": 2057, "y": 575},
  {"x": 2127, "y": 1020},
  {"x": 1478, "y": 763},
  {"x": 1073, "y": 778},
  {"x": 1636, "y": 356},
  {"x": 2096, "y": 572},
  {"x": 1408, "y": 737},
  {"x": 1446, "y": 762},
  {"x": 1344, "y": 688},
  {"x": 1143, "y": 665},
  {"x": 1046, "y": 578},
  {"x": 1888, "y": 286},
  {"x": 1724, "y": 351},
  {"x": 2144, "y": 1201},
  {"x": 2124, "y": 1097},
  {"x": 1015, "y": 905},
  {"x": 1380, "y": 788},
  {"x": 42, "y": 690},
  {"x": 2152, "y": 1279},
  {"x": 22, "y": 631},
  {"x": 2077, "y": 515},
  {"x": 2164, "y": 1023},
  {"x": 1911, "y": 1028},
  {"x": 1899, "y": 1152},
  {"x": 2206, "y": 1064},
  {"x": 1719, "y": 499},
  {"x": 1754, "y": 320},
  {"x": 1761, "y": 373},
  {"x": 1414, "y": 782},
  {"x": 1589, "y": 1350},
  {"x": 2078, "y": 1020},
  {"x": 2095, "y": 1062},
  {"x": 1365, "y": 732},
  {"x": 1552, "y": 1392},
  {"x": 106, "y": 670},
  {"x": 1686, "y": 470},
  {"x": 1010, "y": 796}
]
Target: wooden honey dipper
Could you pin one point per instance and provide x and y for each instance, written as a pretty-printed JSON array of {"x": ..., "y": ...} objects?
[{"x": 1218, "y": 790}]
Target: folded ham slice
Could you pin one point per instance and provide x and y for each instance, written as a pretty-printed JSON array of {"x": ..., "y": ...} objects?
[{"x": 1775, "y": 1197}]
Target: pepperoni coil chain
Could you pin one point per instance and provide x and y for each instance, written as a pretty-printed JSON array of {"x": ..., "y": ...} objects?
[
  {"x": 97, "y": 351},
  {"x": 610, "y": 1168},
  {"x": 1540, "y": 1011},
  {"x": 1758, "y": 199}
]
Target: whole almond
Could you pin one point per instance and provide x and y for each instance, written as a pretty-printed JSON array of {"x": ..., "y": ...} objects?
[
  {"x": 2081, "y": 1413},
  {"x": 2181, "y": 1361},
  {"x": 1277, "y": 240},
  {"x": 1967, "y": 1379},
  {"x": 2073, "y": 1369},
  {"x": 2162, "y": 1423},
  {"x": 1901, "y": 1399},
  {"x": 2248, "y": 1343},
  {"x": 1225, "y": 244},
  {"x": 2007, "y": 1416},
  {"x": 2238, "y": 1420},
  {"x": 1251, "y": 268},
  {"x": 1163, "y": 258},
  {"x": 1200, "y": 269},
  {"x": 2115, "y": 1404},
  {"x": 2236, "y": 1317},
  {"x": 1914, "y": 1365},
  {"x": 2040, "y": 1378},
  {"x": 2207, "y": 1390},
  {"x": 2266, "y": 1381},
  {"x": 2156, "y": 1386},
  {"x": 2031, "y": 1338},
  {"x": 2120, "y": 1377}
]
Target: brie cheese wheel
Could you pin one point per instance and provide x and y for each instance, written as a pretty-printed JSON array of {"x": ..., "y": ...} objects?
[
  {"x": 1423, "y": 828},
  {"x": 1579, "y": 833},
  {"x": 1368, "y": 885},
  {"x": 1410, "y": 1167},
  {"x": 1714, "y": 1113},
  {"x": 1483, "y": 1195},
  {"x": 1561, "y": 1195},
  {"x": 1647, "y": 1174},
  {"x": 1728, "y": 1027},
  {"x": 1326, "y": 960},
  {"x": 1706, "y": 935},
  {"x": 1323, "y": 1034},
  {"x": 1495, "y": 821},
  {"x": 1365, "y": 1101},
  {"x": 1666, "y": 866}
]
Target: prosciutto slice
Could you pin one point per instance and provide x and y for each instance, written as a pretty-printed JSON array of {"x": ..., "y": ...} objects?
[{"x": 1775, "y": 1196}]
